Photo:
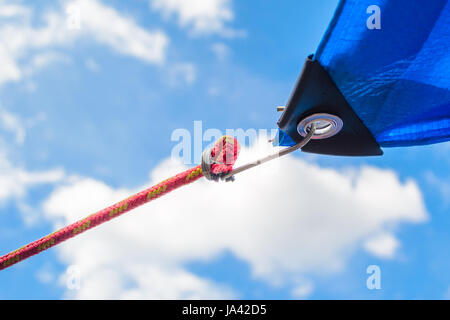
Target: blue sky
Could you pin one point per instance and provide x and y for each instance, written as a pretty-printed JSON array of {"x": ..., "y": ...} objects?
[{"x": 86, "y": 118}]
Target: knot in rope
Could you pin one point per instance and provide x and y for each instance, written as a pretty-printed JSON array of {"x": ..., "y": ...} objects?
[{"x": 219, "y": 160}]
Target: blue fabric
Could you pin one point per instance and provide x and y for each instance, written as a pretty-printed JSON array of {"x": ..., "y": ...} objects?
[{"x": 397, "y": 78}]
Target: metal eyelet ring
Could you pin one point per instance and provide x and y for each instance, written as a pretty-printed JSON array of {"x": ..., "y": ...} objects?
[{"x": 327, "y": 125}]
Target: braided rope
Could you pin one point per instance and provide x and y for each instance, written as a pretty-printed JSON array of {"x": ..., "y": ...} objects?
[{"x": 223, "y": 163}]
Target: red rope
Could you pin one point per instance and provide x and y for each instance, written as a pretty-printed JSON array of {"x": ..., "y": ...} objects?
[{"x": 224, "y": 154}]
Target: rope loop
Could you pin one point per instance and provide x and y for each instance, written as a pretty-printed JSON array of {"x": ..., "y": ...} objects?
[{"x": 218, "y": 161}]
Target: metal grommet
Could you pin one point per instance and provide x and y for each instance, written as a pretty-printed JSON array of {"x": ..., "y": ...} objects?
[{"x": 327, "y": 125}]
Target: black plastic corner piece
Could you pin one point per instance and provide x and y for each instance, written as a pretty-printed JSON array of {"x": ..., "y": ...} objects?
[{"x": 315, "y": 92}]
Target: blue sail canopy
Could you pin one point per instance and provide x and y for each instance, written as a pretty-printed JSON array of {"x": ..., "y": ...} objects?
[{"x": 395, "y": 75}]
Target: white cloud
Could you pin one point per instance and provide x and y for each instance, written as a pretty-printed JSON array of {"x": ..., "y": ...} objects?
[
  {"x": 46, "y": 274},
  {"x": 92, "y": 65},
  {"x": 214, "y": 91},
  {"x": 10, "y": 70},
  {"x": 144, "y": 281},
  {"x": 19, "y": 40},
  {"x": 12, "y": 123},
  {"x": 383, "y": 246},
  {"x": 121, "y": 33},
  {"x": 284, "y": 219},
  {"x": 42, "y": 60},
  {"x": 200, "y": 16},
  {"x": 302, "y": 290},
  {"x": 9, "y": 10},
  {"x": 17, "y": 126},
  {"x": 14, "y": 181},
  {"x": 220, "y": 50},
  {"x": 182, "y": 73}
]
